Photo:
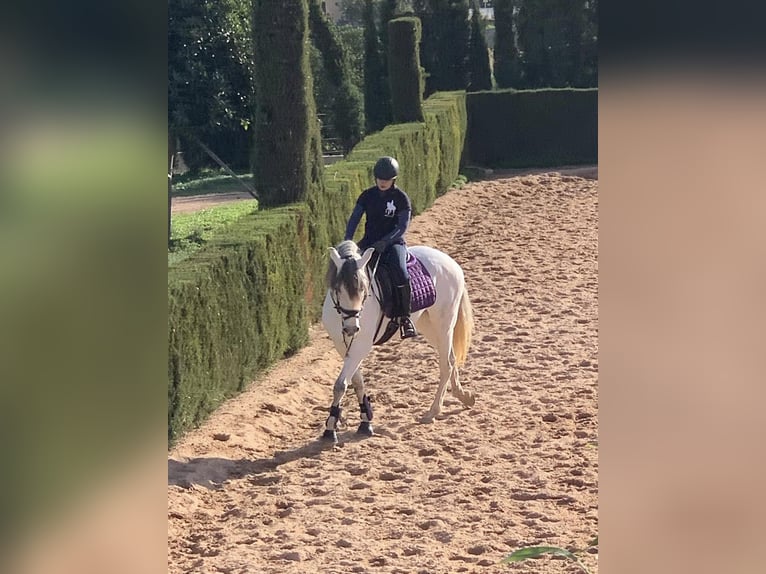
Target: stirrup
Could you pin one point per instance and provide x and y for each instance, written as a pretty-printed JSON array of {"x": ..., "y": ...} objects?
[{"x": 407, "y": 329}]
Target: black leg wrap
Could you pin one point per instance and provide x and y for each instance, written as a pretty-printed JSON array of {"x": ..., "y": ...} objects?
[
  {"x": 366, "y": 407},
  {"x": 330, "y": 435},
  {"x": 365, "y": 428}
]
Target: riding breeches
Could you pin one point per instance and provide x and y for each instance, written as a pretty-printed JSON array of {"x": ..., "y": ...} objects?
[{"x": 395, "y": 257}]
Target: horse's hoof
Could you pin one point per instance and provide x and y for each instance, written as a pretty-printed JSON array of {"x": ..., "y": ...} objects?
[
  {"x": 330, "y": 435},
  {"x": 365, "y": 428},
  {"x": 427, "y": 419},
  {"x": 470, "y": 400}
]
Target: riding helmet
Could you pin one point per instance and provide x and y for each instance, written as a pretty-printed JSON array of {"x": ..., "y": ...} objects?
[{"x": 386, "y": 168}]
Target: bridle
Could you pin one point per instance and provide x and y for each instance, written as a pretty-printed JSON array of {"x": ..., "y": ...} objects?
[
  {"x": 342, "y": 311},
  {"x": 347, "y": 314}
]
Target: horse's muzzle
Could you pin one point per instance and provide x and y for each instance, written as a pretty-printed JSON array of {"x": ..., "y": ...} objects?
[
  {"x": 351, "y": 329},
  {"x": 351, "y": 326}
]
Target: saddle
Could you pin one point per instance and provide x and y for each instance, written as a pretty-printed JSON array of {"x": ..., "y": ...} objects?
[{"x": 421, "y": 286}]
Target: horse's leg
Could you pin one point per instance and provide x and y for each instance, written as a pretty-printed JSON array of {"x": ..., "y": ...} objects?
[
  {"x": 351, "y": 365},
  {"x": 338, "y": 391},
  {"x": 365, "y": 407},
  {"x": 465, "y": 397},
  {"x": 426, "y": 327},
  {"x": 446, "y": 364}
]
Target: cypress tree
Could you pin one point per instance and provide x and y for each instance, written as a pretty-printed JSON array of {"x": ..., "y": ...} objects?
[
  {"x": 479, "y": 72},
  {"x": 347, "y": 113},
  {"x": 507, "y": 62},
  {"x": 388, "y": 11},
  {"x": 287, "y": 157},
  {"x": 446, "y": 35},
  {"x": 589, "y": 72},
  {"x": 404, "y": 70},
  {"x": 550, "y": 34},
  {"x": 570, "y": 46},
  {"x": 377, "y": 99}
]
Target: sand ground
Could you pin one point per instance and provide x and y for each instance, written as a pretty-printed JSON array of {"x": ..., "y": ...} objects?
[{"x": 254, "y": 491}]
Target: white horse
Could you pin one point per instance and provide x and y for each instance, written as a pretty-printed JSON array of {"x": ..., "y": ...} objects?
[{"x": 354, "y": 320}]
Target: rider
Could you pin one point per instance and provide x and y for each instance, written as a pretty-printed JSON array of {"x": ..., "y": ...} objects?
[{"x": 388, "y": 211}]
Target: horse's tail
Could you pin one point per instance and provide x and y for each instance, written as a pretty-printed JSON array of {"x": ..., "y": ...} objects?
[{"x": 461, "y": 336}]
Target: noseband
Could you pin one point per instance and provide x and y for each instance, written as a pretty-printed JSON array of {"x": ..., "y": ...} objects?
[{"x": 343, "y": 312}]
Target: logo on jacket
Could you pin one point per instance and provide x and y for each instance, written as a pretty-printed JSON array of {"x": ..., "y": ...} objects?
[{"x": 390, "y": 209}]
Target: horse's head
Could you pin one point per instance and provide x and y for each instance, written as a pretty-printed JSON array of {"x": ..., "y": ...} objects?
[{"x": 348, "y": 283}]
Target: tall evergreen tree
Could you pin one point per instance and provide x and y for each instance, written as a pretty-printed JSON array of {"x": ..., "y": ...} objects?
[
  {"x": 530, "y": 24},
  {"x": 551, "y": 34},
  {"x": 377, "y": 99},
  {"x": 563, "y": 36},
  {"x": 589, "y": 77},
  {"x": 479, "y": 72},
  {"x": 388, "y": 11},
  {"x": 506, "y": 54},
  {"x": 287, "y": 161},
  {"x": 346, "y": 99},
  {"x": 444, "y": 48},
  {"x": 404, "y": 70}
]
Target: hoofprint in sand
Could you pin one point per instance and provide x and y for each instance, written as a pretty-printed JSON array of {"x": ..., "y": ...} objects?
[{"x": 254, "y": 490}]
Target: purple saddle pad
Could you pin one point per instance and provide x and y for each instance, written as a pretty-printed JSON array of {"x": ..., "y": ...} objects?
[{"x": 421, "y": 283}]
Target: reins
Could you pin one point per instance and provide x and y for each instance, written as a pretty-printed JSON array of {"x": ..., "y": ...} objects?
[{"x": 380, "y": 301}]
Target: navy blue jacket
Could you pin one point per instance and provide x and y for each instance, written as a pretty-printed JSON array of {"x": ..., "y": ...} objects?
[{"x": 388, "y": 216}]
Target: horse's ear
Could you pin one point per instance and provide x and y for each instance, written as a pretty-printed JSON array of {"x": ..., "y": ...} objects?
[
  {"x": 335, "y": 256},
  {"x": 365, "y": 258}
]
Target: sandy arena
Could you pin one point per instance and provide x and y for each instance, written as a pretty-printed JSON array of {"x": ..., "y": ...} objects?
[{"x": 254, "y": 490}]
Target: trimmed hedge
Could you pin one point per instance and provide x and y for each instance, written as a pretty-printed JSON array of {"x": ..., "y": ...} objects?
[
  {"x": 246, "y": 299},
  {"x": 531, "y": 128},
  {"x": 233, "y": 309}
]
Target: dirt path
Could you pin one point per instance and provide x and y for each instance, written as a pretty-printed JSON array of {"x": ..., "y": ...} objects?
[
  {"x": 253, "y": 491},
  {"x": 189, "y": 203}
]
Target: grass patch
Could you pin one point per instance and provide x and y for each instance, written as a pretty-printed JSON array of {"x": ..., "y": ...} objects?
[
  {"x": 209, "y": 182},
  {"x": 459, "y": 182},
  {"x": 528, "y": 552},
  {"x": 190, "y": 231}
]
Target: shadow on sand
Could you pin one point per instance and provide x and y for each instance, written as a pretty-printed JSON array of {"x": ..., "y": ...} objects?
[{"x": 213, "y": 472}]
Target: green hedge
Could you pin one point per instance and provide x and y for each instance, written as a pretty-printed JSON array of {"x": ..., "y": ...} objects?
[
  {"x": 246, "y": 299},
  {"x": 529, "y": 128},
  {"x": 233, "y": 309}
]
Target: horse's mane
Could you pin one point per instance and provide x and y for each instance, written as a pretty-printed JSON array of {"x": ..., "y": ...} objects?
[
  {"x": 348, "y": 248},
  {"x": 354, "y": 282}
]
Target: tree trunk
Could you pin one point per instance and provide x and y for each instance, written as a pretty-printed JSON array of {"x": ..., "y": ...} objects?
[{"x": 171, "y": 154}]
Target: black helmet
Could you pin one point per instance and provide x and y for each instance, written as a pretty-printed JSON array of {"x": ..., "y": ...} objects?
[{"x": 386, "y": 168}]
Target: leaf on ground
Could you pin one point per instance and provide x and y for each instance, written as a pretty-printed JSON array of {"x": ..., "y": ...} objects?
[{"x": 536, "y": 552}]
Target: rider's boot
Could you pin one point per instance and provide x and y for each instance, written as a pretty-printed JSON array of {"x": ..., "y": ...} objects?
[{"x": 407, "y": 329}]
